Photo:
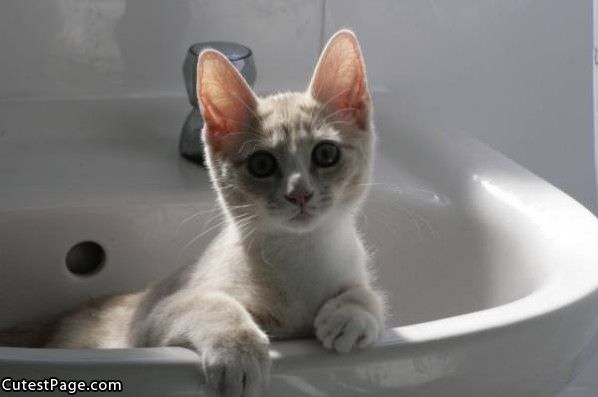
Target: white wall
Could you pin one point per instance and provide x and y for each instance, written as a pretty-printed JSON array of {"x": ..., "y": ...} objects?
[
  {"x": 72, "y": 48},
  {"x": 516, "y": 73},
  {"x": 595, "y": 14}
]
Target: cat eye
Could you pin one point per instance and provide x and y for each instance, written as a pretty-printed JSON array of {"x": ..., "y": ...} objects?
[
  {"x": 261, "y": 164},
  {"x": 326, "y": 154}
]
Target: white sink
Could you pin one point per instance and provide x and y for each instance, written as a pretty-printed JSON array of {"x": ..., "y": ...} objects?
[{"x": 492, "y": 273}]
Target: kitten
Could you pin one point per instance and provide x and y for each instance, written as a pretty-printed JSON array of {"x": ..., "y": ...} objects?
[{"x": 290, "y": 170}]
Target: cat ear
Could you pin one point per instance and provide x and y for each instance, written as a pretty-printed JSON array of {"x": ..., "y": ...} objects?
[
  {"x": 339, "y": 81},
  {"x": 227, "y": 102}
]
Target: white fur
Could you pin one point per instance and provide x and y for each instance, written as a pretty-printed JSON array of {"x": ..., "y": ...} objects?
[{"x": 258, "y": 281}]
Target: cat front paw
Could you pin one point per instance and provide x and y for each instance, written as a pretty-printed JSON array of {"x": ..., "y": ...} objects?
[
  {"x": 345, "y": 326},
  {"x": 237, "y": 364}
]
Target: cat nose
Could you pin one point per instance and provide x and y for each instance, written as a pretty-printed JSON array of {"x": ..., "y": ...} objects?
[{"x": 299, "y": 197}]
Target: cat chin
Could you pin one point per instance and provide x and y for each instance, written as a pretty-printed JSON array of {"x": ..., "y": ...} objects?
[
  {"x": 297, "y": 224},
  {"x": 298, "y": 227},
  {"x": 303, "y": 225}
]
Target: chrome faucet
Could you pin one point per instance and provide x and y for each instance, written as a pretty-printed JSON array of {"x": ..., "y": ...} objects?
[{"x": 190, "y": 145}]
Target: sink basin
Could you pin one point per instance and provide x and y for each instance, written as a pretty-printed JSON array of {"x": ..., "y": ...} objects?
[{"x": 491, "y": 272}]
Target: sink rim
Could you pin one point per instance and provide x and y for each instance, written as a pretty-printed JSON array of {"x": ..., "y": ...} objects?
[
  {"x": 552, "y": 296},
  {"x": 561, "y": 294}
]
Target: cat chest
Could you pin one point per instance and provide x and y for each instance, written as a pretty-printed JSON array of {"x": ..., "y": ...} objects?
[{"x": 306, "y": 285}]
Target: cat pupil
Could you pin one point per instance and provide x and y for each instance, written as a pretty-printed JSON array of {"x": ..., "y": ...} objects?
[
  {"x": 326, "y": 154},
  {"x": 261, "y": 164}
]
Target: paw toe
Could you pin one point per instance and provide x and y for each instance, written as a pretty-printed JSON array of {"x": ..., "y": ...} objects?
[
  {"x": 346, "y": 328},
  {"x": 347, "y": 340}
]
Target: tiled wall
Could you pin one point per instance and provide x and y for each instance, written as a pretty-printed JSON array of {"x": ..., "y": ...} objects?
[
  {"x": 71, "y": 48},
  {"x": 516, "y": 73}
]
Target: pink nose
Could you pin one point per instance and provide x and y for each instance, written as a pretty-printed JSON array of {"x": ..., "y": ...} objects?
[{"x": 299, "y": 198}]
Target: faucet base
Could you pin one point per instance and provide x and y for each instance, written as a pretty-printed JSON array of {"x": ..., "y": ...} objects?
[{"x": 190, "y": 144}]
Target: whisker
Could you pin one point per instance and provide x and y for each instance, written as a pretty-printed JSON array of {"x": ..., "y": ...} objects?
[
  {"x": 331, "y": 115},
  {"x": 236, "y": 95},
  {"x": 332, "y": 98},
  {"x": 203, "y": 212},
  {"x": 324, "y": 106},
  {"x": 238, "y": 220},
  {"x": 240, "y": 99},
  {"x": 195, "y": 215}
]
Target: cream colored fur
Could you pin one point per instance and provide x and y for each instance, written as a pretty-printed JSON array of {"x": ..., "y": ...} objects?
[{"x": 264, "y": 277}]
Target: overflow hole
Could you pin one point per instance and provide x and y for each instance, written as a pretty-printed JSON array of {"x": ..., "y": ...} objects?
[{"x": 85, "y": 258}]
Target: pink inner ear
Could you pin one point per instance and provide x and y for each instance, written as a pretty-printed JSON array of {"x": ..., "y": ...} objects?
[
  {"x": 227, "y": 103},
  {"x": 339, "y": 81}
]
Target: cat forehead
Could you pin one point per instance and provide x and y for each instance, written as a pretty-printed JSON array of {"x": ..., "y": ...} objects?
[{"x": 289, "y": 114}]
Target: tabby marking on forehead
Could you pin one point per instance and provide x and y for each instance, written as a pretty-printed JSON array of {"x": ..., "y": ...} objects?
[{"x": 286, "y": 113}]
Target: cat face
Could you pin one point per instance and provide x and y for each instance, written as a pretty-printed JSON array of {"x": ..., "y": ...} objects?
[{"x": 288, "y": 162}]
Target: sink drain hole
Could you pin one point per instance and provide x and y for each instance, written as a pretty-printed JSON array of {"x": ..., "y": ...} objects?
[{"x": 85, "y": 258}]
